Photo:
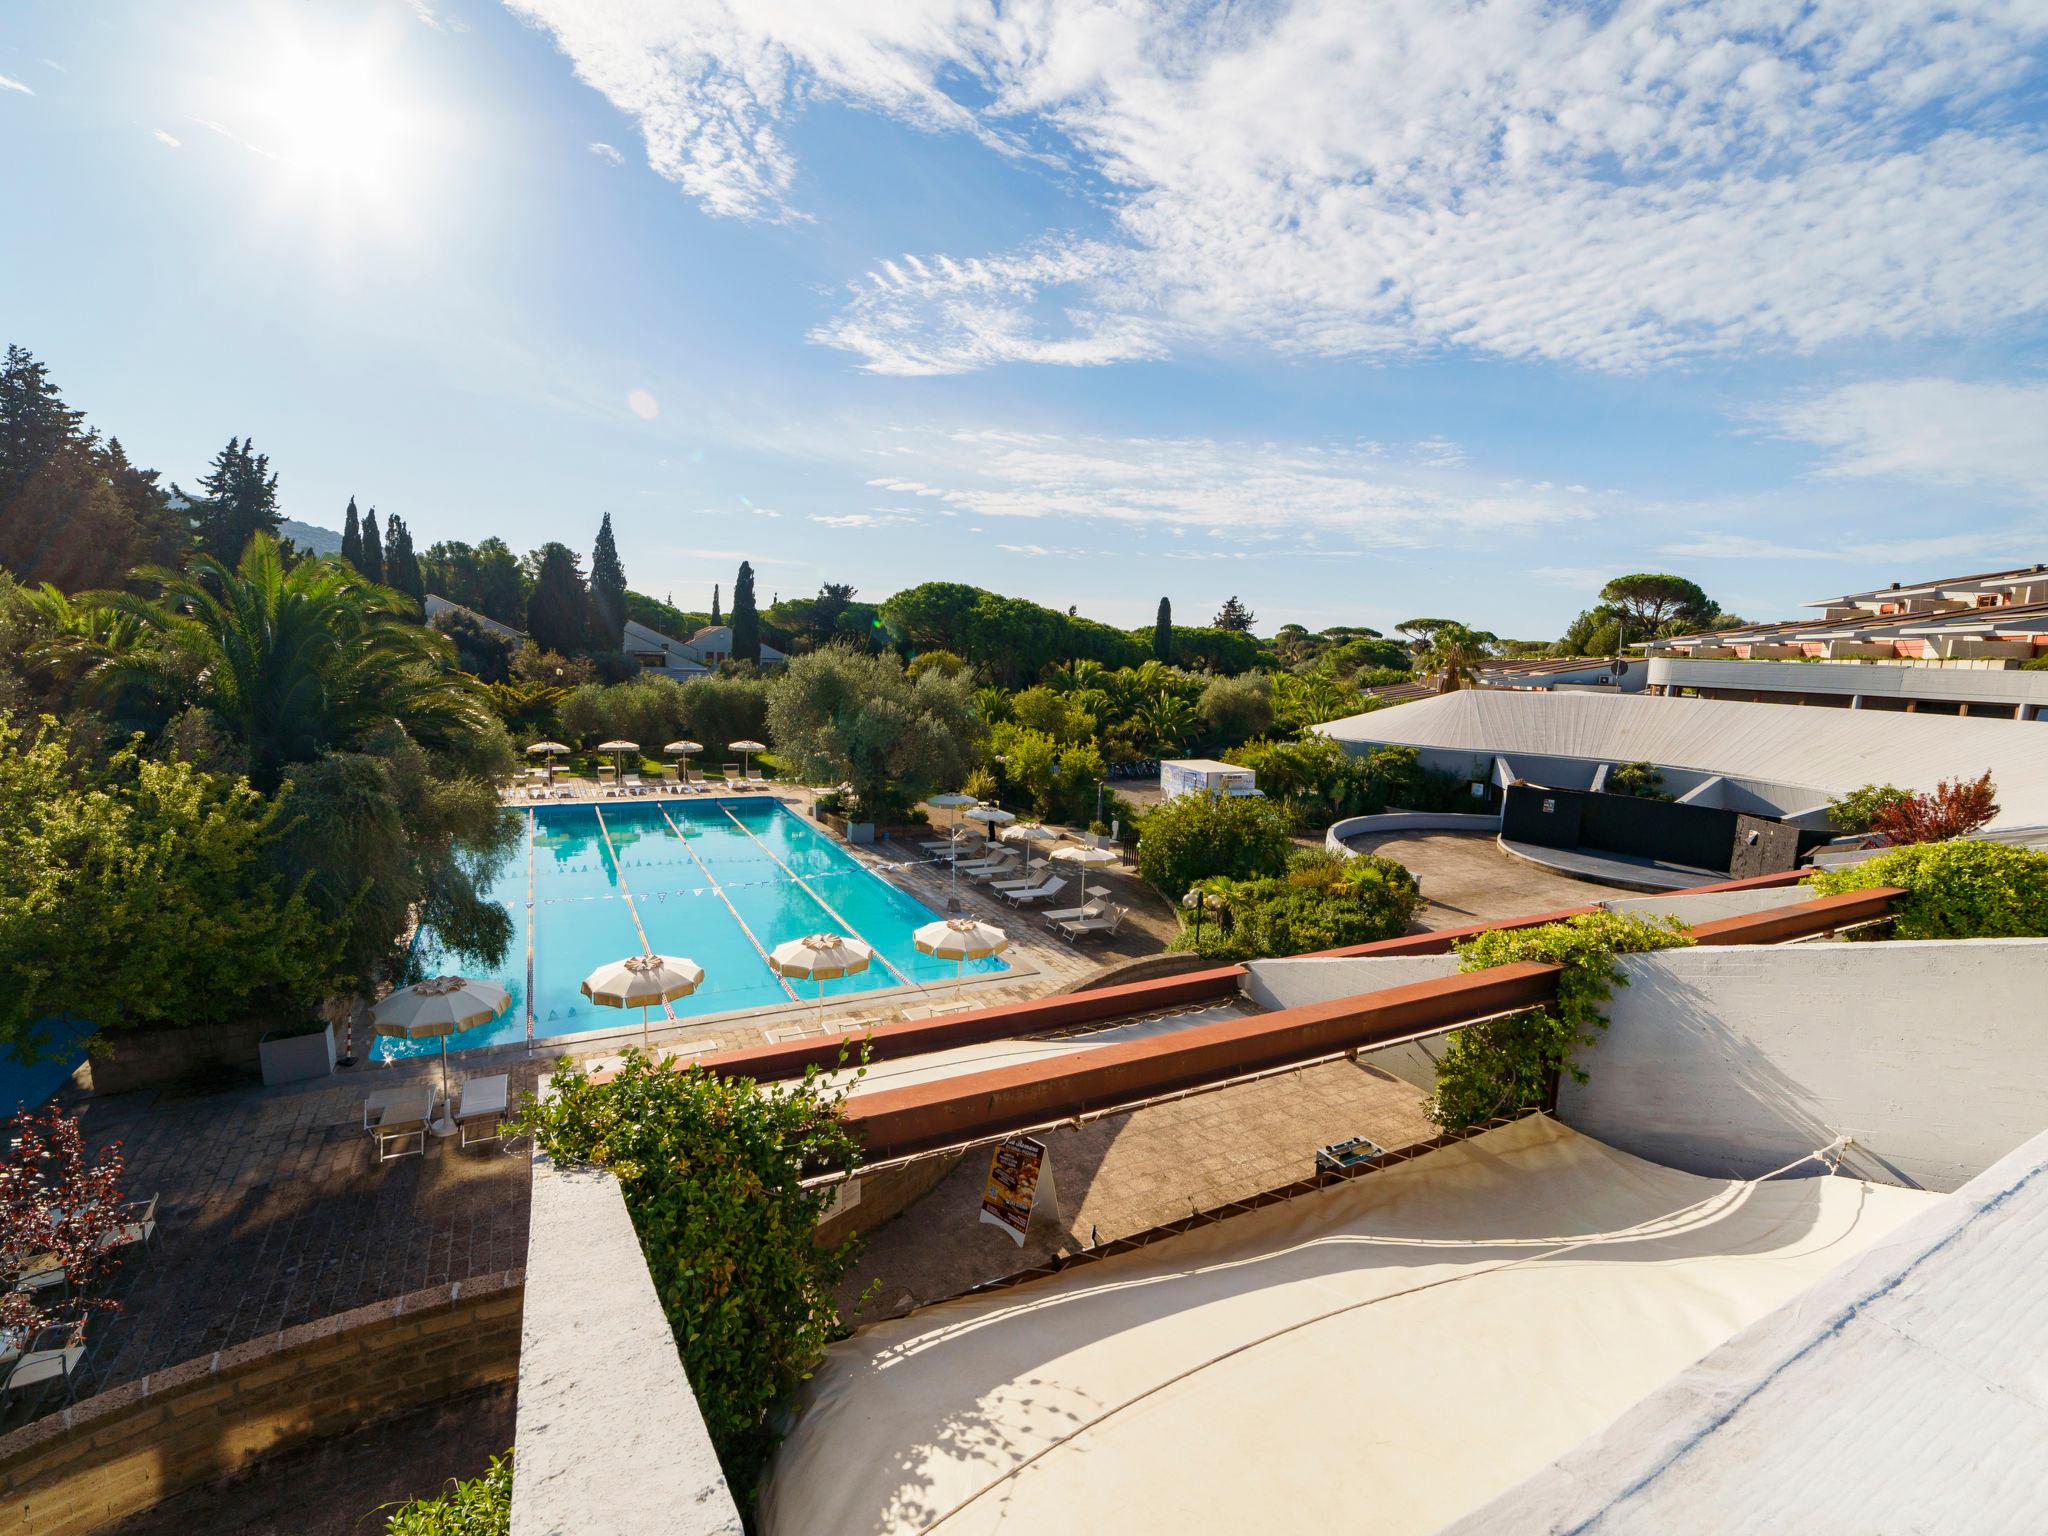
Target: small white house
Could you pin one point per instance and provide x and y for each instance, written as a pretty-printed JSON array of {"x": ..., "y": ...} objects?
[{"x": 1205, "y": 776}]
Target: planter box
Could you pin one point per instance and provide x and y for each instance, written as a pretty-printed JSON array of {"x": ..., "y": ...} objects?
[
  {"x": 851, "y": 831},
  {"x": 295, "y": 1058}
]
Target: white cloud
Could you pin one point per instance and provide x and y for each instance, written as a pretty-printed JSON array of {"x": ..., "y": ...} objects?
[
  {"x": 424, "y": 14},
  {"x": 1238, "y": 493},
  {"x": 1976, "y": 544},
  {"x": 1618, "y": 187},
  {"x": 856, "y": 519},
  {"x": 165, "y": 138},
  {"x": 643, "y": 405},
  {"x": 607, "y": 152},
  {"x": 1990, "y": 437},
  {"x": 7, "y": 83},
  {"x": 234, "y": 138}
]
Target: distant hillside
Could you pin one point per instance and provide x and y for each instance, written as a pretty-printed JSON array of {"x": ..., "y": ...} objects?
[{"x": 321, "y": 541}]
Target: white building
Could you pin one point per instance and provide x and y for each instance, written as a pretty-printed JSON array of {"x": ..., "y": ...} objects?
[
  {"x": 1204, "y": 776},
  {"x": 685, "y": 659}
]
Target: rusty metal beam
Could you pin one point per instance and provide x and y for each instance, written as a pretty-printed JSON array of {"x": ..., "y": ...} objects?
[{"x": 925, "y": 1116}]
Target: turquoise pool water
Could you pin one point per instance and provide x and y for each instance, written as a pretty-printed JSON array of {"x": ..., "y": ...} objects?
[{"x": 718, "y": 881}]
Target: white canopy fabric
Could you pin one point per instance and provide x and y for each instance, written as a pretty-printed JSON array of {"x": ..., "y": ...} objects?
[
  {"x": 440, "y": 1005},
  {"x": 820, "y": 956},
  {"x": 747, "y": 746},
  {"x": 994, "y": 815},
  {"x": 1384, "y": 1355},
  {"x": 683, "y": 748},
  {"x": 553, "y": 747},
  {"x": 618, "y": 746},
  {"x": 641, "y": 981},
  {"x": 960, "y": 938},
  {"x": 1084, "y": 856}
]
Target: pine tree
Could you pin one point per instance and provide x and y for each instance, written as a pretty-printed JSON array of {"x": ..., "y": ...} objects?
[
  {"x": 373, "y": 548},
  {"x": 746, "y": 623},
  {"x": 1233, "y": 615},
  {"x": 240, "y": 499},
  {"x": 1162, "y": 632},
  {"x": 352, "y": 537},
  {"x": 401, "y": 565},
  {"x": 714, "y": 604},
  {"x": 558, "y": 612},
  {"x": 34, "y": 421},
  {"x": 608, "y": 588}
]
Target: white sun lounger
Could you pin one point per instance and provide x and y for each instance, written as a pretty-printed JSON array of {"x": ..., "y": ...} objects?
[
  {"x": 479, "y": 1103},
  {"x": 1086, "y": 927},
  {"x": 1073, "y": 914},
  {"x": 1032, "y": 895}
]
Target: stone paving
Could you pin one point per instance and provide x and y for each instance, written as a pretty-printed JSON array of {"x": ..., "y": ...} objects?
[
  {"x": 272, "y": 1210},
  {"x": 1124, "y": 1173},
  {"x": 1467, "y": 879}
]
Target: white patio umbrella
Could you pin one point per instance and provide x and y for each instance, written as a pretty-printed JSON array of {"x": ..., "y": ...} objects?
[
  {"x": 641, "y": 981},
  {"x": 553, "y": 750},
  {"x": 619, "y": 746},
  {"x": 439, "y": 1006},
  {"x": 1085, "y": 855},
  {"x": 1029, "y": 832},
  {"x": 960, "y": 939},
  {"x": 992, "y": 815},
  {"x": 820, "y": 957},
  {"x": 683, "y": 748},
  {"x": 747, "y": 749}
]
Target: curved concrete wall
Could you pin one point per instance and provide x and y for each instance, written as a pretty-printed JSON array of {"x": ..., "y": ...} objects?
[{"x": 1405, "y": 821}]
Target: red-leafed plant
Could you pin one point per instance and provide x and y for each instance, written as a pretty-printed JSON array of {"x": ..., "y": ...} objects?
[
  {"x": 57, "y": 1204},
  {"x": 1955, "y": 808}
]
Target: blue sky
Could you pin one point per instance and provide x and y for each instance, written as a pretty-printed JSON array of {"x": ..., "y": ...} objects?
[{"x": 1457, "y": 312}]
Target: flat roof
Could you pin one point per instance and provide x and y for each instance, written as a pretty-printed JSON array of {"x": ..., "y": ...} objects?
[{"x": 1202, "y": 765}]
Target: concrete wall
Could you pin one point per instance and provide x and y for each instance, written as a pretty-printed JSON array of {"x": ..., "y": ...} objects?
[
  {"x": 130, "y": 1448},
  {"x": 1275, "y": 984},
  {"x": 609, "y": 1437},
  {"x": 1732, "y": 1061},
  {"x": 1706, "y": 906},
  {"x": 1872, "y": 680},
  {"x": 1388, "y": 822}
]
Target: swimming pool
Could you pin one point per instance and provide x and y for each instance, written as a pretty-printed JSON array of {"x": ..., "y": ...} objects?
[{"x": 718, "y": 881}]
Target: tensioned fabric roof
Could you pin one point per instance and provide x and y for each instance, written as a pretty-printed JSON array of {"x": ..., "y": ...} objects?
[
  {"x": 1830, "y": 750},
  {"x": 1383, "y": 1355}
]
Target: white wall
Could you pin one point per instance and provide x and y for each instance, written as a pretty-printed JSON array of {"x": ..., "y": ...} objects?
[
  {"x": 1388, "y": 822},
  {"x": 608, "y": 1434},
  {"x": 1734, "y": 1060},
  {"x": 1691, "y": 907}
]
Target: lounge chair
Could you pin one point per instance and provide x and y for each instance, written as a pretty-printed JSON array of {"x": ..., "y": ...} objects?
[
  {"x": 1050, "y": 887},
  {"x": 402, "y": 1118},
  {"x": 951, "y": 847},
  {"x": 1104, "y": 926},
  {"x": 990, "y": 870},
  {"x": 1034, "y": 872},
  {"x": 45, "y": 1277},
  {"x": 1072, "y": 914},
  {"x": 53, "y": 1354},
  {"x": 137, "y": 1229},
  {"x": 756, "y": 776},
  {"x": 980, "y": 866},
  {"x": 481, "y": 1102}
]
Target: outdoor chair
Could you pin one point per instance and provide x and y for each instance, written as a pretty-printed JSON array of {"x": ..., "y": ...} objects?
[
  {"x": 481, "y": 1102},
  {"x": 403, "y": 1119},
  {"x": 992, "y": 869},
  {"x": 1091, "y": 927},
  {"x": 1073, "y": 914},
  {"x": 1034, "y": 874},
  {"x": 48, "y": 1277},
  {"x": 54, "y": 1354},
  {"x": 1032, "y": 895},
  {"x": 756, "y": 776},
  {"x": 632, "y": 783},
  {"x": 137, "y": 1230}
]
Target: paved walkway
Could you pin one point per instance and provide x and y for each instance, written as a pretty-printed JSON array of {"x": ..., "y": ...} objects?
[{"x": 1124, "y": 1173}]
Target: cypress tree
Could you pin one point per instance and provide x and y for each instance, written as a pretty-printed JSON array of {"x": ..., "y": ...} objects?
[
  {"x": 558, "y": 612},
  {"x": 714, "y": 604},
  {"x": 373, "y": 548},
  {"x": 401, "y": 565},
  {"x": 608, "y": 588},
  {"x": 1162, "y": 632},
  {"x": 352, "y": 537},
  {"x": 34, "y": 421},
  {"x": 746, "y": 623}
]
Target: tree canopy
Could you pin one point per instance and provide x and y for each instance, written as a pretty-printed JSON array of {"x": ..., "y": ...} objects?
[
  {"x": 746, "y": 618},
  {"x": 608, "y": 586},
  {"x": 1648, "y": 600},
  {"x": 841, "y": 713},
  {"x": 1233, "y": 615}
]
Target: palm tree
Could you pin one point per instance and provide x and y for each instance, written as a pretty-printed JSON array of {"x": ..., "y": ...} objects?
[
  {"x": 1454, "y": 654},
  {"x": 1168, "y": 721},
  {"x": 297, "y": 661}
]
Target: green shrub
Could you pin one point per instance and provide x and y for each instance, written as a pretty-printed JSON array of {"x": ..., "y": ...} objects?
[
  {"x": 1853, "y": 814},
  {"x": 1505, "y": 1065},
  {"x": 710, "y": 1168},
  {"x": 1955, "y": 890},
  {"x": 1194, "y": 836},
  {"x": 480, "y": 1507},
  {"x": 1322, "y": 902}
]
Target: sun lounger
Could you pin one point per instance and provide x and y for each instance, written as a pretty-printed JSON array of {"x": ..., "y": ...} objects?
[
  {"x": 402, "y": 1117},
  {"x": 983, "y": 866},
  {"x": 1034, "y": 873},
  {"x": 756, "y": 776},
  {"x": 481, "y": 1103},
  {"x": 1032, "y": 895},
  {"x": 632, "y": 784},
  {"x": 1104, "y": 926},
  {"x": 990, "y": 870},
  {"x": 1072, "y": 914}
]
